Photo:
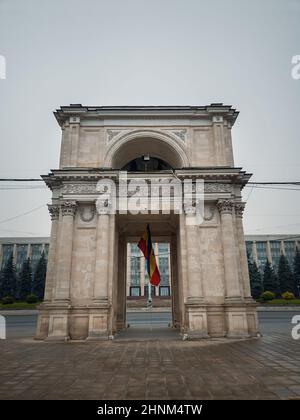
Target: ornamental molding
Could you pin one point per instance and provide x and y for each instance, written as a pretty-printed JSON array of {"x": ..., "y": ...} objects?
[
  {"x": 208, "y": 218},
  {"x": 181, "y": 134},
  {"x": 91, "y": 188},
  {"x": 111, "y": 134},
  {"x": 215, "y": 187},
  {"x": 104, "y": 205},
  {"x": 54, "y": 211},
  {"x": 86, "y": 188},
  {"x": 68, "y": 208},
  {"x": 225, "y": 206},
  {"x": 87, "y": 212},
  {"x": 239, "y": 209}
]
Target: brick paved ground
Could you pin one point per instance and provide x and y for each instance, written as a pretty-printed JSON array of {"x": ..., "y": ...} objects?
[{"x": 267, "y": 368}]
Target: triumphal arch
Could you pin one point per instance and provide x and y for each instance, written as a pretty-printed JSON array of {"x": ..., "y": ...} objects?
[{"x": 85, "y": 295}]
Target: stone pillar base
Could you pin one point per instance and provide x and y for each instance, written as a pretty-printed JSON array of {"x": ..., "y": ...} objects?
[
  {"x": 53, "y": 322},
  {"x": 98, "y": 323},
  {"x": 195, "y": 320},
  {"x": 62, "y": 323},
  {"x": 236, "y": 319},
  {"x": 252, "y": 319},
  {"x": 216, "y": 321}
]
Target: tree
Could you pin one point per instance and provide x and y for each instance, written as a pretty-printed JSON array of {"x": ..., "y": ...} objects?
[
  {"x": 25, "y": 280},
  {"x": 8, "y": 285},
  {"x": 296, "y": 272},
  {"x": 285, "y": 276},
  {"x": 255, "y": 279},
  {"x": 38, "y": 286},
  {"x": 270, "y": 281}
]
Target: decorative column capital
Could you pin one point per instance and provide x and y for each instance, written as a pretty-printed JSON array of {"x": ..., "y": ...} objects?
[
  {"x": 225, "y": 206},
  {"x": 239, "y": 209},
  {"x": 54, "y": 211},
  {"x": 189, "y": 208},
  {"x": 68, "y": 208}
]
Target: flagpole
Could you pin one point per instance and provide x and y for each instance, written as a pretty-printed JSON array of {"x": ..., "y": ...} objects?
[{"x": 149, "y": 291}]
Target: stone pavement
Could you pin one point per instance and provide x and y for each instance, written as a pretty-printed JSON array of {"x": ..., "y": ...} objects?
[{"x": 265, "y": 368}]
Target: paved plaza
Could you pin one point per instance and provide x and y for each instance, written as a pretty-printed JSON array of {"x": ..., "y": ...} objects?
[{"x": 153, "y": 368}]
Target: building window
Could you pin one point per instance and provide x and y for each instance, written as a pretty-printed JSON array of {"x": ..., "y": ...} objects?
[
  {"x": 261, "y": 254},
  {"x": 7, "y": 251},
  {"x": 36, "y": 252},
  {"x": 135, "y": 291},
  {"x": 249, "y": 247},
  {"x": 21, "y": 256},
  {"x": 164, "y": 291},
  {"x": 152, "y": 291},
  {"x": 163, "y": 248},
  {"x": 289, "y": 247},
  {"x": 275, "y": 248}
]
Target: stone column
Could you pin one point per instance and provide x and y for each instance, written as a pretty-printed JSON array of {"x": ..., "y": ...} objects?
[
  {"x": 64, "y": 256},
  {"x": 28, "y": 255},
  {"x": 121, "y": 282},
  {"x": 101, "y": 260},
  {"x": 196, "y": 308},
  {"x": 268, "y": 252},
  {"x": 15, "y": 253},
  {"x": 51, "y": 266},
  {"x": 176, "y": 315},
  {"x": 195, "y": 284},
  {"x": 232, "y": 286},
  {"x": 254, "y": 253},
  {"x": 251, "y": 312},
  {"x": 239, "y": 210},
  {"x": 99, "y": 312},
  {"x": 235, "y": 307}
]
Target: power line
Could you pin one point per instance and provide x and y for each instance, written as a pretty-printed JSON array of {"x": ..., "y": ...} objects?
[
  {"x": 249, "y": 183},
  {"x": 21, "y": 180},
  {"x": 22, "y": 214}
]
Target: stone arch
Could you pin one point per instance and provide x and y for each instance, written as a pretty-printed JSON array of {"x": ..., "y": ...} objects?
[{"x": 139, "y": 142}]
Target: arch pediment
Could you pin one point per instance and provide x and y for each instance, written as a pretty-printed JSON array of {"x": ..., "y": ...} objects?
[{"x": 157, "y": 143}]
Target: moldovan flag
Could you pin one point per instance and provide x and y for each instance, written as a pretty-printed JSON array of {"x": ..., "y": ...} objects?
[{"x": 145, "y": 245}]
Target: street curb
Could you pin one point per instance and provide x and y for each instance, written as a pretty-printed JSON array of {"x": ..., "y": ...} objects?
[
  {"x": 278, "y": 308},
  {"x": 19, "y": 312}
]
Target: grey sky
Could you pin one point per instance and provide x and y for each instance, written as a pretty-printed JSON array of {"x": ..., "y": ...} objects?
[{"x": 151, "y": 52}]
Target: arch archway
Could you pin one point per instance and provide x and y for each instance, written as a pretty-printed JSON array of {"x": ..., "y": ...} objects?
[{"x": 141, "y": 142}]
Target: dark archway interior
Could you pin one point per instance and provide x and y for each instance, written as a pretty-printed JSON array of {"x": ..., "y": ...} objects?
[{"x": 145, "y": 164}]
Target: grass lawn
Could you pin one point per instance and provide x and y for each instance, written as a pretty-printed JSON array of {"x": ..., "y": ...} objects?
[
  {"x": 282, "y": 302},
  {"x": 18, "y": 305}
]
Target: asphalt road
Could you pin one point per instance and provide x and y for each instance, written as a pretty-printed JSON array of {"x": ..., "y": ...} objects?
[{"x": 18, "y": 326}]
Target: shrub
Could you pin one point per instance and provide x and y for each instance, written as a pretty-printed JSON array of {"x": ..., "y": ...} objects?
[
  {"x": 288, "y": 296},
  {"x": 7, "y": 300},
  {"x": 32, "y": 299},
  {"x": 267, "y": 295}
]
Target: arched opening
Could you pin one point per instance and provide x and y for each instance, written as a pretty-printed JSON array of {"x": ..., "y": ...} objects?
[
  {"x": 146, "y": 163},
  {"x": 163, "y": 151},
  {"x": 163, "y": 318}
]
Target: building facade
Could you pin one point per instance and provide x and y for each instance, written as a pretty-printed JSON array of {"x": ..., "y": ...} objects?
[
  {"x": 85, "y": 295},
  {"x": 137, "y": 276},
  {"x": 22, "y": 248},
  {"x": 261, "y": 248}
]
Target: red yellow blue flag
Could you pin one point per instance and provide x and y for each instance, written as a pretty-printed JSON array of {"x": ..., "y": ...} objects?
[{"x": 145, "y": 245}]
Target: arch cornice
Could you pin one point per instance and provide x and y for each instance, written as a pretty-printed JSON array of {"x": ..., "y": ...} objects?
[{"x": 172, "y": 141}]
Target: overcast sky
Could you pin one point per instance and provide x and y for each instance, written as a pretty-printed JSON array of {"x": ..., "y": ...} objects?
[{"x": 151, "y": 52}]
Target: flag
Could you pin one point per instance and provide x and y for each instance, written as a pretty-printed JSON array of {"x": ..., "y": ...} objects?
[{"x": 145, "y": 245}]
